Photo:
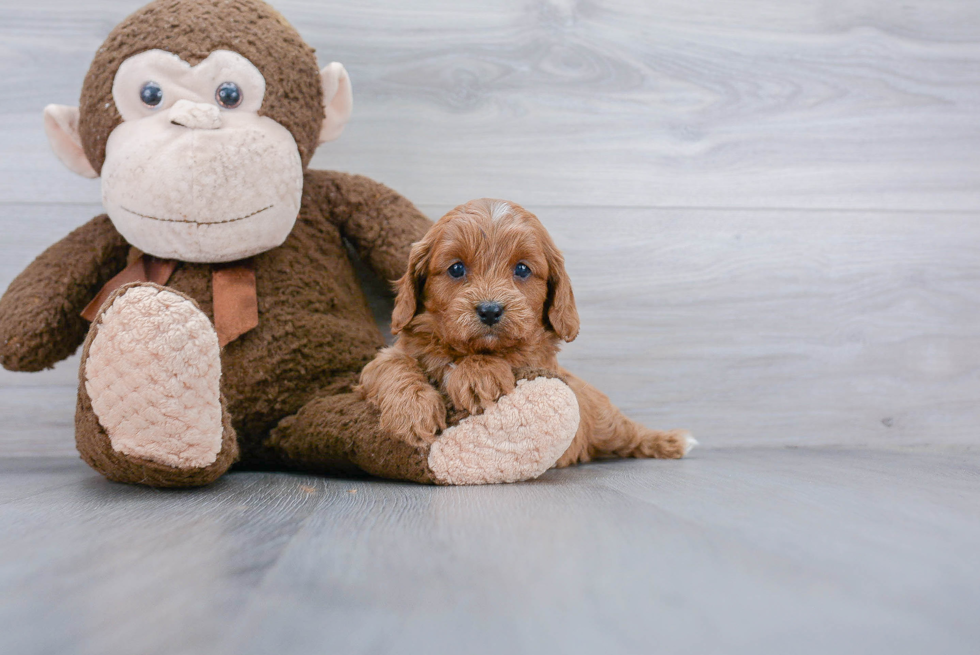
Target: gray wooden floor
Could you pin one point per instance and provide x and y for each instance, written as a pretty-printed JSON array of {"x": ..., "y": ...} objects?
[
  {"x": 747, "y": 550},
  {"x": 771, "y": 216}
]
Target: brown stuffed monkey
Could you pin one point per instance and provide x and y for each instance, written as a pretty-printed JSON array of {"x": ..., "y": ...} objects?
[{"x": 221, "y": 316}]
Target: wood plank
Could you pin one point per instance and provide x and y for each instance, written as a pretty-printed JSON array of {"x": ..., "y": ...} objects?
[
  {"x": 39, "y": 420},
  {"x": 858, "y": 105},
  {"x": 748, "y": 327},
  {"x": 96, "y": 567},
  {"x": 734, "y": 550},
  {"x": 780, "y": 327},
  {"x": 24, "y": 477},
  {"x": 737, "y": 559}
]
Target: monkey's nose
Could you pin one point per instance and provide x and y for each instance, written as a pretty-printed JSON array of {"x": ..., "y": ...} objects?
[
  {"x": 490, "y": 312},
  {"x": 195, "y": 115}
]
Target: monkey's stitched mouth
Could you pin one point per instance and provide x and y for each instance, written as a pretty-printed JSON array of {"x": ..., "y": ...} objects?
[{"x": 178, "y": 220}]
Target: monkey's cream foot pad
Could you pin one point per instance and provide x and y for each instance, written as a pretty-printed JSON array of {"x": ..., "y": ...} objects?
[
  {"x": 153, "y": 375},
  {"x": 519, "y": 438}
]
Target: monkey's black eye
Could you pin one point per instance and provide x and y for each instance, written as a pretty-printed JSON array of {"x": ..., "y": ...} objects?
[
  {"x": 457, "y": 270},
  {"x": 151, "y": 94},
  {"x": 228, "y": 95},
  {"x": 522, "y": 271}
]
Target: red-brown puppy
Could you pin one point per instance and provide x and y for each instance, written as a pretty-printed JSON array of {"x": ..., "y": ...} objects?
[{"x": 486, "y": 294}]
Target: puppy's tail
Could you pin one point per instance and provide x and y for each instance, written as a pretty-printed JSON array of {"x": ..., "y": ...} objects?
[
  {"x": 663, "y": 444},
  {"x": 606, "y": 432},
  {"x": 630, "y": 439}
]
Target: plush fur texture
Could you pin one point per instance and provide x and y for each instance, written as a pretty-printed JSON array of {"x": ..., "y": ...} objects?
[
  {"x": 315, "y": 329},
  {"x": 40, "y": 312},
  {"x": 192, "y": 30},
  {"x": 96, "y": 448},
  {"x": 491, "y": 451},
  {"x": 191, "y": 181},
  {"x": 491, "y": 251},
  {"x": 153, "y": 373},
  {"x": 315, "y": 333}
]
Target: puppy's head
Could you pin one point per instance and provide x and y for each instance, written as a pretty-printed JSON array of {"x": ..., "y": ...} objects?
[{"x": 486, "y": 277}]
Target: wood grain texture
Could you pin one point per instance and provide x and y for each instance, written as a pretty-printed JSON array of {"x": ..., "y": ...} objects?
[
  {"x": 727, "y": 103},
  {"x": 747, "y": 327},
  {"x": 155, "y": 571},
  {"x": 735, "y": 551},
  {"x": 777, "y": 326}
]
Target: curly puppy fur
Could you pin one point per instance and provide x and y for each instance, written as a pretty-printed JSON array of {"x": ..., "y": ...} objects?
[{"x": 491, "y": 253}]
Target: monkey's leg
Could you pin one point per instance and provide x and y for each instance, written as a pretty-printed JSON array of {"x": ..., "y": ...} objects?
[
  {"x": 150, "y": 409},
  {"x": 605, "y": 432},
  {"x": 341, "y": 433},
  {"x": 518, "y": 438}
]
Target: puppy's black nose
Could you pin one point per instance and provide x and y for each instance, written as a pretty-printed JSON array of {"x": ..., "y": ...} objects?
[{"x": 490, "y": 312}]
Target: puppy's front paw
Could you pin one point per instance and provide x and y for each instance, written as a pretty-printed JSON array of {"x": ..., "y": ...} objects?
[
  {"x": 415, "y": 416},
  {"x": 478, "y": 382},
  {"x": 533, "y": 373}
]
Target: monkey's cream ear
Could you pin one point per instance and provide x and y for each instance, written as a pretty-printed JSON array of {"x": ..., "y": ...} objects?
[
  {"x": 61, "y": 126},
  {"x": 338, "y": 101}
]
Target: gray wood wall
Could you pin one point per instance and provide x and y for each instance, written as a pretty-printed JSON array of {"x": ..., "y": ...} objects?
[{"x": 770, "y": 210}]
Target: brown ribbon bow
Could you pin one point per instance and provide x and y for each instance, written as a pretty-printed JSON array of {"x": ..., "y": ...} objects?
[{"x": 236, "y": 305}]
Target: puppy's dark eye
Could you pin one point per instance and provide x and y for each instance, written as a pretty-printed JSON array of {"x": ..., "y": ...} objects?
[
  {"x": 522, "y": 271},
  {"x": 228, "y": 95},
  {"x": 151, "y": 94},
  {"x": 457, "y": 270}
]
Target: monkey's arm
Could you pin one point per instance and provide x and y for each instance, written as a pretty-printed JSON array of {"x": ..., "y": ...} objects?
[
  {"x": 381, "y": 224},
  {"x": 39, "y": 313}
]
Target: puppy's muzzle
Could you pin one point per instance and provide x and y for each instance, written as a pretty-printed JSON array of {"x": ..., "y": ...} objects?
[{"x": 489, "y": 312}]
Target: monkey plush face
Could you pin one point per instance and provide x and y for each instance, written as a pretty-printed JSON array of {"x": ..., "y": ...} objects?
[
  {"x": 201, "y": 141},
  {"x": 232, "y": 180}
]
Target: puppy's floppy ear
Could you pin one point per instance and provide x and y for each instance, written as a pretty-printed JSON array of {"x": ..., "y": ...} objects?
[
  {"x": 408, "y": 299},
  {"x": 559, "y": 307}
]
